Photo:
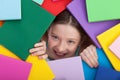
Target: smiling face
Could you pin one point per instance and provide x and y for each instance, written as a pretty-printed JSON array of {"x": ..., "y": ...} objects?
[{"x": 63, "y": 40}]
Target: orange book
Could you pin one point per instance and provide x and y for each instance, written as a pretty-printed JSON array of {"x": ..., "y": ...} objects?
[{"x": 1, "y": 23}]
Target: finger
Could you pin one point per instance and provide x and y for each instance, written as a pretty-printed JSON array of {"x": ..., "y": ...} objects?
[
  {"x": 94, "y": 61},
  {"x": 91, "y": 57},
  {"x": 86, "y": 60},
  {"x": 42, "y": 43},
  {"x": 36, "y": 49},
  {"x": 43, "y": 56},
  {"x": 39, "y": 44},
  {"x": 94, "y": 51},
  {"x": 38, "y": 53}
]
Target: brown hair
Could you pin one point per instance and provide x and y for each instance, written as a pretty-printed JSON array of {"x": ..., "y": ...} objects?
[{"x": 66, "y": 17}]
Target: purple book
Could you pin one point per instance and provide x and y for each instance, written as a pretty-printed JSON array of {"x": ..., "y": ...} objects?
[
  {"x": 67, "y": 69},
  {"x": 78, "y": 9}
]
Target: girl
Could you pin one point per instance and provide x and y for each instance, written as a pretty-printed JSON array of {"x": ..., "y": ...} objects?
[{"x": 65, "y": 38}]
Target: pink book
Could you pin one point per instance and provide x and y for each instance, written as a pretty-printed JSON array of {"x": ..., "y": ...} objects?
[
  {"x": 115, "y": 47},
  {"x": 12, "y": 69}
]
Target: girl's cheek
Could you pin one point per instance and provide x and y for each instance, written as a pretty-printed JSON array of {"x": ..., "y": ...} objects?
[{"x": 51, "y": 43}]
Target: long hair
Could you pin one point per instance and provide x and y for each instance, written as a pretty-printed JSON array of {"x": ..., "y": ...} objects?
[{"x": 66, "y": 17}]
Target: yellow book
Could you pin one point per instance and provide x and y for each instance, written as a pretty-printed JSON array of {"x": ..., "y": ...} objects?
[
  {"x": 105, "y": 39},
  {"x": 8, "y": 53},
  {"x": 40, "y": 69}
]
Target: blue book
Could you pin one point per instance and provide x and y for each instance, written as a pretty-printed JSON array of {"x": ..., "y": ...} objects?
[
  {"x": 10, "y": 9},
  {"x": 90, "y": 73},
  {"x": 104, "y": 73}
]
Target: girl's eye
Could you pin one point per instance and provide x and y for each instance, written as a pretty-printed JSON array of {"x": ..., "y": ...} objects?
[
  {"x": 71, "y": 42},
  {"x": 54, "y": 37}
]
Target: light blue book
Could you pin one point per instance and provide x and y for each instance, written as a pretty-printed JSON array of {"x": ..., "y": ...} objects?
[
  {"x": 10, "y": 9},
  {"x": 38, "y": 1}
]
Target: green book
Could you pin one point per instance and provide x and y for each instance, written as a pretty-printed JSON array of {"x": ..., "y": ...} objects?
[
  {"x": 19, "y": 36},
  {"x": 102, "y": 10}
]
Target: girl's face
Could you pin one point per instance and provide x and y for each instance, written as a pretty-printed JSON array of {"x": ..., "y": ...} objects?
[{"x": 63, "y": 40}]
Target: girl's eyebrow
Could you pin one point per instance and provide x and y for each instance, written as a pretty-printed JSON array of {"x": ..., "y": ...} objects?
[
  {"x": 53, "y": 33},
  {"x": 72, "y": 39}
]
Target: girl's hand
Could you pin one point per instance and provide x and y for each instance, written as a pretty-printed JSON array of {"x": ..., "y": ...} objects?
[
  {"x": 39, "y": 50},
  {"x": 89, "y": 55}
]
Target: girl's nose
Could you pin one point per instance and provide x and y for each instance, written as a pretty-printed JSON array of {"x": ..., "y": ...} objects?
[{"x": 61, "y": 47}]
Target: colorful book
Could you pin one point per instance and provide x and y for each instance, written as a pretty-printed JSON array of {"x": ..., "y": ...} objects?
[
  {"x": 105, "y": 39},
  {"x": 115, "y": 48},
  {"x": 38, "y": 1},
  {"x": 55, "y": 0},
  {"x": 38, "y": 66},
  {"x": 13, "y": 69},
  {"x": 10, "y": 9},
  {"x": 90, "y": 73},
  {"x": 78, "y": 9},
  {"x": 55, "y": 7},
  {"x": 40, "y": 69},
  {"x": 104, "y": 73},
  {"x": 4, "y": 51},
  {"x": 102, "y": 10},
  {"x": 67, "y": 69},
  {"x": 20, "y": 36},
  {"x": 1, "y": 23}
]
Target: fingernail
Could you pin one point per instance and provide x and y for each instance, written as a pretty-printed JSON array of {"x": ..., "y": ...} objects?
[
  {"x": 91, "y": 66},
  {"x": 30, "y": 50},
  {"x": 36, "y": 45},
  {"x": 32, "y": 54},
  {"x": 96, "y": 66},
  {"x": 40, "y": 57}
]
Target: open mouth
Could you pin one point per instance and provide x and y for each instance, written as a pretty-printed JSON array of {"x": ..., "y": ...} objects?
[{"x": 60, "y": 55}]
